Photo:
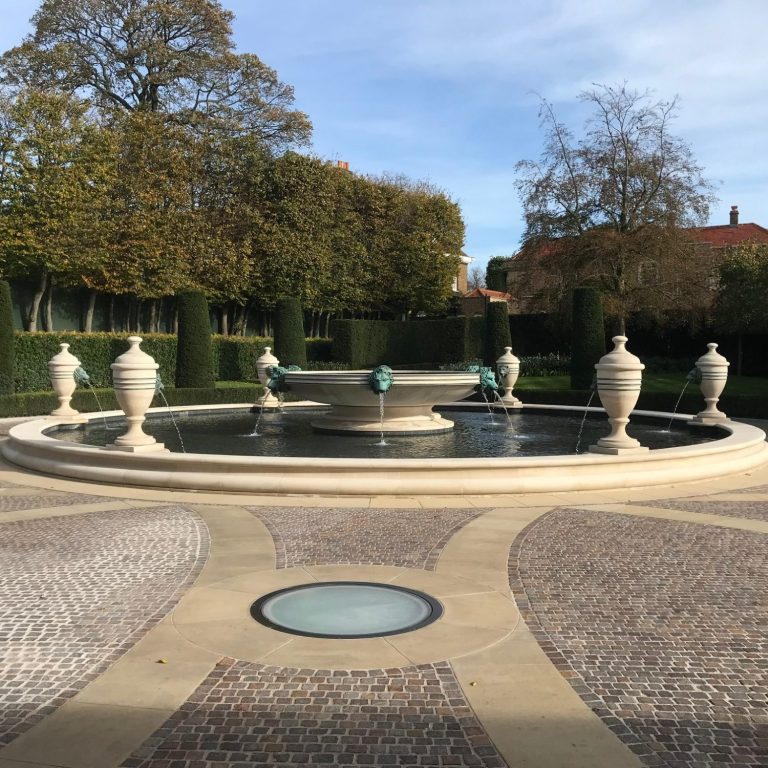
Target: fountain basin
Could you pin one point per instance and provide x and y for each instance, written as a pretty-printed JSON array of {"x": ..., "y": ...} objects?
[
  {"x": 407, "y": 405},
  {"x": 742, "y": 449}
]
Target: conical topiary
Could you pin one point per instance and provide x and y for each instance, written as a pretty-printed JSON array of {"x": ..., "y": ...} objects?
[
  {"x": 290, "y": 342},
  {"x": 194, "y": 349},
  {"x": 497, "y": 335},
  {"x": 7, "y": 352},
  {"x": 588, "y": 341}
]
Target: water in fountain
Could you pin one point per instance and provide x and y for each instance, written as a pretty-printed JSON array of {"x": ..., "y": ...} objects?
[
  {"x": 693, "y": 375},
  {"x": 82, "y": 377},
  {"x": 159, "y": 386},
  {"x": 498, "y": 397},
  {"x": 584, "y": 417},
  {"x": 382, "y": 441}
]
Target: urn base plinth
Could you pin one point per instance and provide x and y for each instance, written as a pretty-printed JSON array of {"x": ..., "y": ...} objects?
[
  {"x": 148, "y": 448},
  {"x": 615, "y": 450}
]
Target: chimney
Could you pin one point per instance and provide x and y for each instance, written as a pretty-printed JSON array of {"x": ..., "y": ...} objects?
[
  {"x": 342, "y": 164},
  {"x": 734, "y": 216}
]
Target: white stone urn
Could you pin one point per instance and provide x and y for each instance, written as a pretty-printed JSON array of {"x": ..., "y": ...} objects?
[
  {"x": 263, "y": 363},
  {"x": 714, "y": 375},
  {"x": 61, "y": 370},
  {"x": 619, "y": 377},
  {"x": 134, "y": 375},
  {"x": 508, "y": 369}
]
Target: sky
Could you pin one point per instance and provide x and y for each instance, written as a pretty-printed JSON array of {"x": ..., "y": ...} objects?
[{"x": 449, "y": 90}]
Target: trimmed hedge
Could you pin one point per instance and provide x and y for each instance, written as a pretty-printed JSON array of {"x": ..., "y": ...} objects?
[
  {"x": 7, "y": 351},
  {"x": 290, "y": 343},
  {"x": 368, "y": 343},
  {"x": 234, "y": 357},
  {"x": 588, "y": 342},
  {"x": 497, "y": 334},
  {"x": 194, "y": 356},
  {"x": 40, "y": 403}
]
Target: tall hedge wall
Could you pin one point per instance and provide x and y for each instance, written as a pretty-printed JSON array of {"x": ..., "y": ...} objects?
[
  {"x": 497, "y": 334},
  {"x": 367, "y": 343},
  {"x": 234, "y": 357},
  {"x": 194, "y": 355},
  {"x": 588, "y": 342},
  {"x": 290, "y": 343},
  {"x": 7, "y": 351}
]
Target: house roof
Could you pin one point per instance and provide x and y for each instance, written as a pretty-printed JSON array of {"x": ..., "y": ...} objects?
[
  {"x": 486, "y": 292},
  {"x": 723, "y": 235}
]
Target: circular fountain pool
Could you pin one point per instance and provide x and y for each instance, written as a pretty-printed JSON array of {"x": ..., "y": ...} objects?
[
  {"x": 477, "y": 469},
  {"x": 475, "y": 433}
]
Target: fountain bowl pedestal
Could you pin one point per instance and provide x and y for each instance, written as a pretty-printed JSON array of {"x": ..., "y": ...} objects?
[{"x": 407, "y": 405}]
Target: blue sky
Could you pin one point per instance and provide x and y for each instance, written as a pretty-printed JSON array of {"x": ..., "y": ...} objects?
[{"x": 445, "y": 90}]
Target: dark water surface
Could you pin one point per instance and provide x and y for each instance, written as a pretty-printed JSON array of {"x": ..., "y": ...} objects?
[{"x": 290, "y": 434}]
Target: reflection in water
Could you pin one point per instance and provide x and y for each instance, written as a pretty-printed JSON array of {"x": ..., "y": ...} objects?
[{"x": 288, "y": 433}]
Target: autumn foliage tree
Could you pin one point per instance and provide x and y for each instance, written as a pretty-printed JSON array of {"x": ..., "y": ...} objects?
[{"x": 617, "y": 201}]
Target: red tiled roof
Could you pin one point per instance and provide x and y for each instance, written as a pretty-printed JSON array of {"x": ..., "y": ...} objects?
[
  {"x": 480, "y": 292},
  {"x": 723, "y": 235}
]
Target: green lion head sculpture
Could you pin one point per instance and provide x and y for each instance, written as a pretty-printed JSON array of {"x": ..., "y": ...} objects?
[{"x": 380, "y": 379}]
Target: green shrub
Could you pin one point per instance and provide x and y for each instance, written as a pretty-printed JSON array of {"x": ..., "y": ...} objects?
[
  {"x": 497, "y": 334},
  {"x": 7, "y": 349},
  {"x": 544, "y": 365},
  {"x": 588, "y": 342},
  {"x": 194, "y": 352},
  {"x": 290, "y": 343}
]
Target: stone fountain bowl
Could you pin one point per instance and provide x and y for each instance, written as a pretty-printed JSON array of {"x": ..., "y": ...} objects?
[{"x": 407, "y": 405}]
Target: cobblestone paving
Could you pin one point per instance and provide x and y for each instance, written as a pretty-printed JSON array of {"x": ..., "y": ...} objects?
[
  {"x": 412, "y": 538},
  {"x": 247, "y": 715},
  {"x": 77, "y": 592},
  {"x": 11, "y": 503},
  {"x": 755, "y": 510},
  {"x": 660, "y": 626}
]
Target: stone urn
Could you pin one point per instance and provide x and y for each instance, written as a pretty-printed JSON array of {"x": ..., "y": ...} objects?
[
  {"x": 134, "y": 375},
  {"x": 619, "y": 376},
  {"x": 508, "y": 369},
  {"x": 713, "y": 368},
  {"x": 61, "y": 370},
  {"x": 263, "y": 364}
]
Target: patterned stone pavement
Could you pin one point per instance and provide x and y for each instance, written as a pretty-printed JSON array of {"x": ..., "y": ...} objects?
[
  {"x": 660, "y": 626},
  {"x": 412, "y": 538},
  {"x": 247, "y": 715},
  {"x": 755, "y": 510},
  {"x": 77, "y": 592},
  {"x": 15, "y": 503}
]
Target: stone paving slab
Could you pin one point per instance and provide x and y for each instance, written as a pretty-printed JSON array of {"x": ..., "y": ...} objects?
[
  {"x": 77, "y": 592},
  {"x": 412, "y": 538},
  {"x": 252, "y": 715},
  {"x": 753, "y": 510},
  {"x": 660, "y": 626}
]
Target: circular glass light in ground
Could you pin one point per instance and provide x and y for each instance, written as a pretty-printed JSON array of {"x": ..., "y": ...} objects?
[{"x": 346, "y": 609}]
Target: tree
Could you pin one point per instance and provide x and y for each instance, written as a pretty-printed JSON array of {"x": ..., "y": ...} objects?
[
  {"x": 740, "y": 306},
  {"x": 617, "y": 202},
  {"x": 476, "y": 279},
  {"x": 55, "y": 177},
  {"x": 497, "y": 333},
  {"x": 494, "y": 276},
  {"x": 171, "y": 56}
]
